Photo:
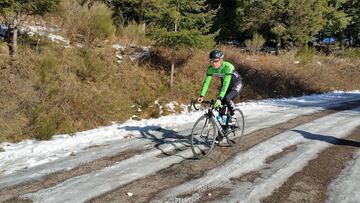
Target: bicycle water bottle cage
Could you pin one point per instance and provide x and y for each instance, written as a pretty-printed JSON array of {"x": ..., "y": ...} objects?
[{"x": 224, "y": 119}]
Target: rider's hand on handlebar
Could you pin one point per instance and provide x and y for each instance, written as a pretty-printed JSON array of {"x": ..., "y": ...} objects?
[{"x": 200, "y": 99}]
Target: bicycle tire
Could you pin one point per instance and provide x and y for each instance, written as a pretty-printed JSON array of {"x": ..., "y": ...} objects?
[
  {"x": 203, "y": 136},
  {"x": 237, "y": 130}
]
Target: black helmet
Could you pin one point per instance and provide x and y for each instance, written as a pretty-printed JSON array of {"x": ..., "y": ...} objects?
[{"x": 216, "y": 54}]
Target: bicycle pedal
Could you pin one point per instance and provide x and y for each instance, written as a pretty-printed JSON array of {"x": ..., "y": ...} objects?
[{"x": 219, "y": 138}]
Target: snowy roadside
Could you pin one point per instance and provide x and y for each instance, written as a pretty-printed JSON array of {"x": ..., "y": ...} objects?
[
  {"x": 308, "y": 137},
  {"x": 30, "y": 153},
  {"x": 346, "y": 187}
]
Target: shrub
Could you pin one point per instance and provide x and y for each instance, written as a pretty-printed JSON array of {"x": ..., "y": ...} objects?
[
  {"x": 133, "y": 33},
  {"x": 45, "y": 126},
  {"x": 87, "y": 22},
  {"x": 351, "y": 53},
  {"x": 46, "y": 68},
  {"x": 102, "y": 25},
  {"x": 255, "y": 44},
  {"x": 89, "y": 68},
  {"x": 306, "y": 54}
]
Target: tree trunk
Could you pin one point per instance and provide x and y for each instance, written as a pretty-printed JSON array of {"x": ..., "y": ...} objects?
[
  {"x": 173, "y": 63},
  {"x": 12, "y": 44},
  {"x": 172, "y": 71},
  {"x": 278, "y": 44}
]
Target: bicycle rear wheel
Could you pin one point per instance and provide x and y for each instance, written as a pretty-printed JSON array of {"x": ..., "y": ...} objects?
[
  {"x": 203, "y": 136},
  {"x": 237, "y": 129}
]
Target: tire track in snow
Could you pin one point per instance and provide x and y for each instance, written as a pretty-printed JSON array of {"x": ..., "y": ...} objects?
[
  {"x": 310, "y": 184},
  {"x": 345, "y": 188},
  {"x": 58, "y": 177},
  {"x": 300, "y": 110},
  {"x": 68, "y": 163},
  {"x": 48, "y": 175},
  {"x": 104, "y": 180},
  {"x": 310, "y": 138},
  {"x": 148, "y": 187}
]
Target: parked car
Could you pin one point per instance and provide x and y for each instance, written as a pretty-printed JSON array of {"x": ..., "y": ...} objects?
[{"x": 329, "y": 40}]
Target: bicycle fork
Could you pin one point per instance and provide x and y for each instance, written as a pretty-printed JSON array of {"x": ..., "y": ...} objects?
[{"x": 207, "y": 121}]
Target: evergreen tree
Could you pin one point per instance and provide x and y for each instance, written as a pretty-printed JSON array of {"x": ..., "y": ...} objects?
[
  {"x": 15, "y": 12},
  {"x": 225, "y": 20},
  {"x": 179, "y": 24},
  {"x": 126, "y": 11},
  {"x": 352, "y": 9},
  {"x": 288, "y": 22},
  {"x": 336, "y": 20}
]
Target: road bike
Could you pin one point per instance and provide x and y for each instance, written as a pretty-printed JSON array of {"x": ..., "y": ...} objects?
[{"x": 211, "y": 128}]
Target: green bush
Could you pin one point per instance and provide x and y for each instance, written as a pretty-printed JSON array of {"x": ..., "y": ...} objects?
[
  {"x": 133, "y": 33},
  {"x": 351, "y": 53},
  {"x": 46, "y": 69},
  {"x": 306, "y": 54},
  {"x": 255, "y": 44},
  {"x": 102, "y": 26},
  {"x": 89, "y": 68},
  {"x": 45, "y": 126},
  {"x": 87, "y": 22}
]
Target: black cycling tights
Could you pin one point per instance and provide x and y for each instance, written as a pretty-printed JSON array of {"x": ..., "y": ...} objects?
[{"x": 228, "y": 100}]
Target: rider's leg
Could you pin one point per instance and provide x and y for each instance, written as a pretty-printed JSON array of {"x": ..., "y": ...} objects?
[
  {"x": 229, "y": 97},
  {"x": 228, "y": 100}
]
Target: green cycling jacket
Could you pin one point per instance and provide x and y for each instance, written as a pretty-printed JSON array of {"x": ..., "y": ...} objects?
[{"x": 225, "y": 73}]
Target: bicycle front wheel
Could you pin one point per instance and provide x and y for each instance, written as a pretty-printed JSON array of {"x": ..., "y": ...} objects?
[{"x": 203, "y": 136}]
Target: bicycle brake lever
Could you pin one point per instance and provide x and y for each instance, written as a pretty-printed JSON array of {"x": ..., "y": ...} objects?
[{"x": 193, "y": 102}]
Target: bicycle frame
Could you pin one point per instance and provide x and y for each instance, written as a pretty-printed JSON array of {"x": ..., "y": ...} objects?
[
  {"x": 210, "y": 114},
  {"x": 202, "y": 144}
]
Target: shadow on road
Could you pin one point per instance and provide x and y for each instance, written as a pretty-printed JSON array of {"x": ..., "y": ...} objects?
[
  {"x": 329, "y": 139},
  {"x": 160, "y": 136}
]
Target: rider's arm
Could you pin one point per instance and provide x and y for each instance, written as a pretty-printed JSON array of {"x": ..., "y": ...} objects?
[
  {"x": 206, "y": 83},
  {"x": 227, "y": 79}
]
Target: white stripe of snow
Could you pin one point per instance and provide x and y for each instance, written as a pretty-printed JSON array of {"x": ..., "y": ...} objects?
[
  {"x": 70, "y": 162},
  {"x": 34, "y": 155},
  {"x": 31, "y": 153},
  {"x": 82, "y": 188},
  {"x": 101, "y": 181},
  {"x": 346, "y": 188},
  {"x": 314, "y": 136}
]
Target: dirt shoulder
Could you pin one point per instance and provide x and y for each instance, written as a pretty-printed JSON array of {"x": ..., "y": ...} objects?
[
  {"x": 311, "y": 184},
  {"x": 146, "y": 189},
  {"x": 58, "y": 177}
]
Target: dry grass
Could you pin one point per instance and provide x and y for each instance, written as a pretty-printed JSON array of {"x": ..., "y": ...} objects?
[
  {"x": 59, "y": 90},
  {"x": 133, "y": 33},
  {"x": 288, "y": 75},
  {"x": 86, "y": 23}
]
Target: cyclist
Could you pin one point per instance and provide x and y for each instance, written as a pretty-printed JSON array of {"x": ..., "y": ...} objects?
[{"x": 230, "y": 79}]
